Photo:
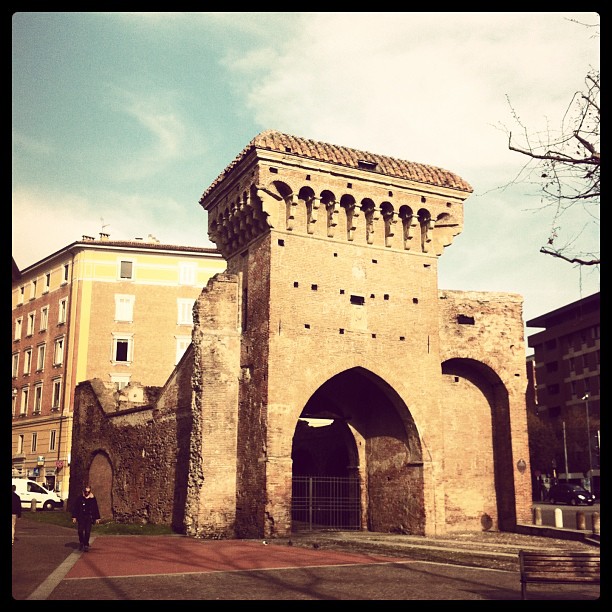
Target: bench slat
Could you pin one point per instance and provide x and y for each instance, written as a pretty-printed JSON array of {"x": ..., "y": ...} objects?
[
  {"x": 541, "y": 577},
  {"x": 556, "y": 567},
  {"x": 561, "y": 567}
]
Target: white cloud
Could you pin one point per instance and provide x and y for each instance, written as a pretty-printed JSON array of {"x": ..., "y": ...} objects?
[
  {"x": 125, "y": 217},
  {"x": 428, "y": 87}
]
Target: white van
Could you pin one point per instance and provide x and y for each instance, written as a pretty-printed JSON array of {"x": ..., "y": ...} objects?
[{"x": 29, "y": 490}]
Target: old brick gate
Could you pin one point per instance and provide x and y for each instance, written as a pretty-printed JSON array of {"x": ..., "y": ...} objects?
[{"x": 330, "y": 308}]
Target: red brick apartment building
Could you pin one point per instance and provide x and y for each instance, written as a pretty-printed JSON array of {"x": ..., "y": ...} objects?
[
  {"x": 566, "y": 377},
  {"x": 117, "y": 310}
]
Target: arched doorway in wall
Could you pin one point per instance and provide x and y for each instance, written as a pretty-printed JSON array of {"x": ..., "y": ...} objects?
[
  {"x": 357, "y": 460},
  {"x": 101, "y": 480},
  {"x": 326, "y": 488},
  {"x": 479, "y": 484}
]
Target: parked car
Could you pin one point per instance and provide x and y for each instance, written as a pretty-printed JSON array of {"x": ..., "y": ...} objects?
[
  {"x": 29, "y": 490},
  {"x": 572, "y": 494}
]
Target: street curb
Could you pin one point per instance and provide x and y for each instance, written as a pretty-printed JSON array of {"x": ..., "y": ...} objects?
[{"x": 559, "y": 533}]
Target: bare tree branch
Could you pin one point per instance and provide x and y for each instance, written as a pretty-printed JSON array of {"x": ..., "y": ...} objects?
[
  {"x": 567, "y": 163},
  {"x": 577, "y": 260}
]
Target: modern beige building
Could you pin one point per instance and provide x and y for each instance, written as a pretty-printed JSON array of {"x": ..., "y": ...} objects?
[{"x": 120, "y": 311}]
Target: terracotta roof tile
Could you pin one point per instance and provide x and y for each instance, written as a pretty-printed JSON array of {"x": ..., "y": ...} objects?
[{"x": 345, "y": 156}]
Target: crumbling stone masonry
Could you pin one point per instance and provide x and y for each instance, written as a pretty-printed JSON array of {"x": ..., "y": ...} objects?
[{"x": 329, "y": 308}]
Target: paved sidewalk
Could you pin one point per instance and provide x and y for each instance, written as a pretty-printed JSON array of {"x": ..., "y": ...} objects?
[{"x": 336, "y": 566}]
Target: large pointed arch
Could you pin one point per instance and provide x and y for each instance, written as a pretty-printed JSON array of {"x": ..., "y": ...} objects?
[{"x": 372, "y": 437}]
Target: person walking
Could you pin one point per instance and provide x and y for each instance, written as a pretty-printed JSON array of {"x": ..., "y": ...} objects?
[
  {"x": 85, "y": 513},
  {"x": 16, "y": 509}
]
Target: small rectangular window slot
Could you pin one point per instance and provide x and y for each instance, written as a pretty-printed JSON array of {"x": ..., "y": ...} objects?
[
  {"x": 386, "y": 296},
  {"x": 349, "y": 185},
  {"x": 402, "y": 338},
  {"x": 307, "y": 325},
  {"x": 358, "y": 300},
  {"x": 287, "y": 149},
  {"x": 341, "y": 291},
  {"x": 415, "y": 300},
  {"x": 335, "y": 254},
  {"x": 281, "y": 242},
  {"x": 465, "y": 320},
  {"x": 390, "y": 194},
  {"x": 308, "y": 177},
  {"x": 456, "y": 379},
  {"x": 372, "y": 296},
  {"x": 373, "y": 335},
  {"x": 273, "y": 170},
  {"x": 314, "y": 287},
  {"x": 341, "y": 331},
  {"x": 427, "y": 265},
  {"x": 296, "y": 284},
  {"x": 375, "y": 261}
]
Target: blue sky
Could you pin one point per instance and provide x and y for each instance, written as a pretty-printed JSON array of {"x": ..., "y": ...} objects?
[{"x": 122, "y": 120}]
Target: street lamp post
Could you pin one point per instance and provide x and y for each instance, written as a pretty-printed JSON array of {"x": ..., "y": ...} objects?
[
  {"x": 585, "y": 397},
  {"x": 565, "y": 454}
]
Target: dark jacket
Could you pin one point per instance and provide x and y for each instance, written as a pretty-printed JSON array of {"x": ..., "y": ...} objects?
[
  {"x": 16, "y": 504},
  {"x": 85, "y": 509}
]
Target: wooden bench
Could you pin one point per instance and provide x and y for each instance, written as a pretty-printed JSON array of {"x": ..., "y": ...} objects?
[{"x": 558, "y": 568}]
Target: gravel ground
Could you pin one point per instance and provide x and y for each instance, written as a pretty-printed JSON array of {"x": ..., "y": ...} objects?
[{"x": 494, "y": 550}]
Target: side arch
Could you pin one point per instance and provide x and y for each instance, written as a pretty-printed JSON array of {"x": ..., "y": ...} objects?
[
  {"x": 101, "y": 480},
  {"x": 478, "y": 447}
]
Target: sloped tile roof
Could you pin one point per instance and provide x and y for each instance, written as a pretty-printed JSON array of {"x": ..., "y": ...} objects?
[
  {"x": 350, "y": 158},
  {"x": 126, "y": 244},
  {"x": 145, "y": 245}
]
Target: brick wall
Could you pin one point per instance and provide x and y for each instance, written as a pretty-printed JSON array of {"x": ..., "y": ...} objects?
[
  {"x": 326, "y": 309},
  {"x": 127, "y": 451},
  {"x": 433, "y": 432},
  {"x": 212, "y": 475},
  {"x": 485, "y": 380}
]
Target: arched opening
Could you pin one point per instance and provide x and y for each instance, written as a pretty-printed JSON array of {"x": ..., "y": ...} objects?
[
  {"x": 477, "y": 409},
  {"x": 101, "y": 480},
  {"x": 326, "y": 488},
  {"x": 357, "y": 459}
]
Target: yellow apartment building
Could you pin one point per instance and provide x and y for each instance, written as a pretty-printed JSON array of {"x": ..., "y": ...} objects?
[{"x": 120, "y": 311}]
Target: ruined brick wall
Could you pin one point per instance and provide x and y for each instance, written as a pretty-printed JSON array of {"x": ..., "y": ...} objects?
[
  {"x": 141, "y": 445},
  {"x": 211, "y": 487},
  {"x": 251, "y": 448}
]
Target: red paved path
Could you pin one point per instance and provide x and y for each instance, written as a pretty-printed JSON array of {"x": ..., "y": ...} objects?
[{"x": 114, "y": 556}]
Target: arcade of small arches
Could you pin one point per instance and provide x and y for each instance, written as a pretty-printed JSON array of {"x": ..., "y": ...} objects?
[{"x": 408, "y": 227}]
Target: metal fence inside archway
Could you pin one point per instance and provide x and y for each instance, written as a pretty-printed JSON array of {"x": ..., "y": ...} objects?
[{"x": 325, "y": 502}]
